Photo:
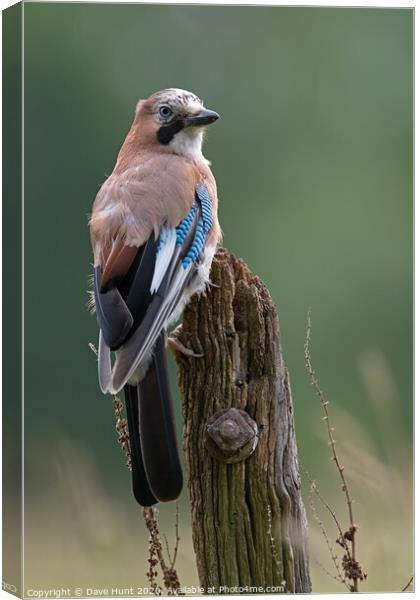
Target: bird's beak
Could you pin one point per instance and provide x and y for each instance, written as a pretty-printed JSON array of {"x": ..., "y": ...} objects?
[{"x": 204, "y": 117}]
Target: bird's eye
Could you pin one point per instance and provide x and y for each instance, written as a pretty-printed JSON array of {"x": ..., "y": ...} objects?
[{"x": 165, "y": 112}]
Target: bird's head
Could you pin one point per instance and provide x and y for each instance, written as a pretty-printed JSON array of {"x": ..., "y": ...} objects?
[{"x": 175, "y": 119}]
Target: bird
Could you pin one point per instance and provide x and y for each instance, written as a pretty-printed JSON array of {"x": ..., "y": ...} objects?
[{"x": 154, "y": 231}]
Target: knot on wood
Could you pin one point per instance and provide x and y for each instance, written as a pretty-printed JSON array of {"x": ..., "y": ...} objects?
[{"x": 231, "y": 435}]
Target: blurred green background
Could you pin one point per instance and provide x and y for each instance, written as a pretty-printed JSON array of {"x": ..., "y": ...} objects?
[{"x": 313, "y": 159}]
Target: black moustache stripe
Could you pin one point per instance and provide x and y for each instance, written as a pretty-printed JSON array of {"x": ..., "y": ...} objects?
[{"x": 166, "y": 133}]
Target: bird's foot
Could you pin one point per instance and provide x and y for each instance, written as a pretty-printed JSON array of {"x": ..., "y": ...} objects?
[{"x": 176, "y": 345}]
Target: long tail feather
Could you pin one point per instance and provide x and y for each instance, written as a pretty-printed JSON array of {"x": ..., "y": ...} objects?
[
  {"x": 141, "y": 488},
  {"x": 157, "y": 429}
]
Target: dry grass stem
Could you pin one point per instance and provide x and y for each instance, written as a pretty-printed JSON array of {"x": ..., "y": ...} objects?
[
  {"x": 171, "y": 559},
  {"x": 170, "y": 576},
  {"x": 153, "y": 559},
  {"x": 342, "y": 538},
  {"x": 352, "y": 568},
  {"x": 168, "y": 552},
  {"x": 314, "y": 491},
  {"x": 405, "y": 588},
  {"x": 328, "y": 573},
  {"x": 177, "y": 538},
  {"x": 121, "y": 427},
  {"x": 333, "y": 555}
]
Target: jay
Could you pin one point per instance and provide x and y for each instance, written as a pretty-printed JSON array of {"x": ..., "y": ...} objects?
[{"x": 154, "y": 231}]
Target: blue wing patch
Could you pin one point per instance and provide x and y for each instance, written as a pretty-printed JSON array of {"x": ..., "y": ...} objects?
[
  {"x": 205, "y": 221},
  {"x": 185, "y": 225},
  {"x": 204, "y": 198}
]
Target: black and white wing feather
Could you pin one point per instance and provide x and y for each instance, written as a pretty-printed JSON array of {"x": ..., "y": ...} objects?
[{"x": 149, "y": 294}]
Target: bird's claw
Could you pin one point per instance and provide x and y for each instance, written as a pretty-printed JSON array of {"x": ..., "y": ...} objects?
[
  {"x": 174, "y": 344},
  {"x": 215, "y": 285}
]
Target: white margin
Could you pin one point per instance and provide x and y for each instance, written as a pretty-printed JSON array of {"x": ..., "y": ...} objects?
[{"x": 416, "y": 218}]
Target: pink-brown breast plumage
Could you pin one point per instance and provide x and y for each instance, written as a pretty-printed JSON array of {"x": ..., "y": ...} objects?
[{"x": 157, "y": 189}]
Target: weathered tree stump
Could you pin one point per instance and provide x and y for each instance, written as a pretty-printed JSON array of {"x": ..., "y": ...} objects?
[{"x": 249, "y": 523}]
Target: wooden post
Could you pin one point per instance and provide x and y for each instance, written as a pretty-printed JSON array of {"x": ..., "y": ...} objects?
[{"x": 249, "y": 523}]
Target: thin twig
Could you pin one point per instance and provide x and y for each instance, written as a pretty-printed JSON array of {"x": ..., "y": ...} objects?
[
  {"x": 350, "y": 535},
  {"x": 153, "y": 559},
  {"x": 408, "y": 584},
  {"x": 331, "y": 575},
  {"x": 177, "y": 538},
  {"x": 168, "y": 552},
  {"x": 121, "y": 427},
  {"x": 314, "y": 488},
  {"x": 172, "y": 560},
  {"x": 333, "y": 555},
  {"x": 170, "y": 576}
]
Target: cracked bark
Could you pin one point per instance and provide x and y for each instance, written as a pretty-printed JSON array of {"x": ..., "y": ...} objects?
[{"x": 248, "y": 519}]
